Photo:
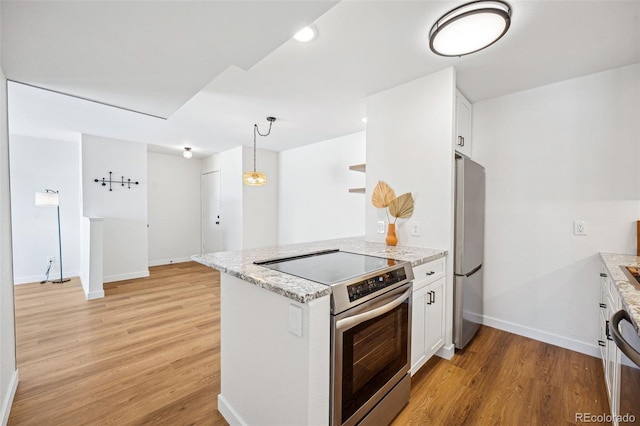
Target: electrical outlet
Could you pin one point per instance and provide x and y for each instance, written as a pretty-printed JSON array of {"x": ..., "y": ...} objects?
[
  {"x": 381, "y": 227},
  {"x": 580, "y": 227},
  {"x": 415, "y": 228}
]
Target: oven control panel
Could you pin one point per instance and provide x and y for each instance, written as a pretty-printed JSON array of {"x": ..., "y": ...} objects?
[{"x": 372, "y": 285}]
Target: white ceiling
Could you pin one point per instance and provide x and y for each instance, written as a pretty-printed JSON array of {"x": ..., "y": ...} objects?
[{"x": 316, "y": 90}]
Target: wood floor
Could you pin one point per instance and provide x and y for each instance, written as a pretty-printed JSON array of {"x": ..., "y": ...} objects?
[{"x": 148, "y": 353}]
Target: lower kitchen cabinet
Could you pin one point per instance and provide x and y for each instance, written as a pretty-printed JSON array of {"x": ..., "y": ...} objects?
[
  {"x": 609, "y": 304},
  {"x": 427, "y": 320}
]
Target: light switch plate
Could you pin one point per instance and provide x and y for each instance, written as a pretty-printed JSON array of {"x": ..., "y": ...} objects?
[{"x": 381, "y": 227}]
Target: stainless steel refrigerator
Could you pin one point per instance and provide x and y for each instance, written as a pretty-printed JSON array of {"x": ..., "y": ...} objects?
[{"x": 468, "y": 250}]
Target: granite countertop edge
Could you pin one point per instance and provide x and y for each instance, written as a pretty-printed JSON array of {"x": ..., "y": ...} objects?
[
  {"x": 240, "y": 263},
  {"x": 629, "y": 292}
]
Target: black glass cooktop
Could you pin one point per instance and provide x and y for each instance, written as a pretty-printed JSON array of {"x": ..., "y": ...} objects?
[{"x": 328, "y": 267}]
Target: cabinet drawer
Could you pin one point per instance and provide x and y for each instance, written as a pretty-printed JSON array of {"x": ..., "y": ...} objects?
[{"x": 428, "y": 272}]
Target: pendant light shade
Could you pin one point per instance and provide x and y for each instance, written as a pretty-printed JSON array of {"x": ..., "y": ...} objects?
[
  {"x": 187, "y": 153},
  {"x": 256, "y": 178},
  {"x": 470, "y": 28}
]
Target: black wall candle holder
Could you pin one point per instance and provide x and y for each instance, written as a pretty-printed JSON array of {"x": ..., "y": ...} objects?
[{"x": 122, "y": 182}]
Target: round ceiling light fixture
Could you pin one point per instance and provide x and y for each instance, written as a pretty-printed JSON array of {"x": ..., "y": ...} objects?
[
  {"x": 187, "y": 153},
  {"x": 306, "y": 34},
  {"x": 470, "y": 28}
]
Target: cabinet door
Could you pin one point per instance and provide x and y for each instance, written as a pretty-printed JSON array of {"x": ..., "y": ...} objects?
[
  {"x": 435, "y": 317},
  {"x": 463, "y": 125},
  {"x": 418, "y": 330}
]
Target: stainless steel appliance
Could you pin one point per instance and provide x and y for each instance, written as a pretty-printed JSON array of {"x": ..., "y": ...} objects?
[
  {"x": 626, "y": 338},
  {"x": 370, "y": 331},
  {"x": 468, "y": 250}
]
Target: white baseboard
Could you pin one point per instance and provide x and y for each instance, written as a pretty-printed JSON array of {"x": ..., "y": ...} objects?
[
  {"x": 543, "y": 336},
  {"x": 128, "y": 276},
  {"x": 8, "y": 400},
  {"x": 95, "y": 295},
  {"x": 169, "y": 261},
  {"x": 447, "y": 351},
  {"x": 32, "y": 279},
  {"x": 229, "y": 414}
]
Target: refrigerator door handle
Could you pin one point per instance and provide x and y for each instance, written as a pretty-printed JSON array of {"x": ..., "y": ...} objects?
[{"x": 473, "y": 271}]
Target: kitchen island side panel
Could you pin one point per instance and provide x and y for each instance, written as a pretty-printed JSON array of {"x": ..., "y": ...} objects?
[{"x": 270, "y": 375}]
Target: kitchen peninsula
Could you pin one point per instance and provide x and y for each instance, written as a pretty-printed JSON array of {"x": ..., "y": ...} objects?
[{"x": 275, "y": 332}]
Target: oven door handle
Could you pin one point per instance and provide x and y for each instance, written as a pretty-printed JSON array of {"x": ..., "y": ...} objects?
[
  {"x": 622, "y": 344},
  {"x": 349, "y": 322}
]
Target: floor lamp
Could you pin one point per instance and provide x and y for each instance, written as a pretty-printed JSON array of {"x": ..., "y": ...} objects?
[{"x": 50, "y": 198}]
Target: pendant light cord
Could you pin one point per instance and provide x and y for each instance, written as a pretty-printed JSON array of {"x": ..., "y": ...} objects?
[{"x": 257, "y": 130}]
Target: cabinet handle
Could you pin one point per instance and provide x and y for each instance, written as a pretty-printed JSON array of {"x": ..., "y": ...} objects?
[
  {"x": 603, "y": 306},
  {"x": 429, "y": 300},
  {"x": 460, "y": 141},
  {"x": 433, "y": 294},
  {"x": 601, "y": 343},
  {"x": 430, "y": 273},
  {"x": 603, "y": 275}
]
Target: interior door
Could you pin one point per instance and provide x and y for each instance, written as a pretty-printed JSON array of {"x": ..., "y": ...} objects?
[{"x": 211, "y": 212}]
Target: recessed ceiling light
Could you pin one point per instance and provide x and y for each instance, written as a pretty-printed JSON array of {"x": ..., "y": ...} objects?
[
  {"x": 470, "y": 28},
  {"x": 363, "y": 119},
  {"x": 306, "y": 34}
]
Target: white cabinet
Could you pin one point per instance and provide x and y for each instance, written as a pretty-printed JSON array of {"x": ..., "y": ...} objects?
[
  {"x": 427, "y": 320},
  {"x": 609, "y": 304},
  {"x": 463, "y": 125}
]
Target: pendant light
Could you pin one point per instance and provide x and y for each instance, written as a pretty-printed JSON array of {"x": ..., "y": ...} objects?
[
  {"x": 255, "y": 178},
  {"x": 187, "y": 153},
  {"x": 470, "y": 28}
]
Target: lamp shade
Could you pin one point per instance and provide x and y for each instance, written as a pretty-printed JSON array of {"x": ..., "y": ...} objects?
[
  {"x": 254, "y": 179},
  {"x": 46, "y": 199}
]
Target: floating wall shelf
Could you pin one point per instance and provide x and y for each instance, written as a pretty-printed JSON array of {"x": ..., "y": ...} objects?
[{"x": 358, "y": 168}]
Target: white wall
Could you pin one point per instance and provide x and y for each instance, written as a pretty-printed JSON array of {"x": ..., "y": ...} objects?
[
  {"x": 260, "y": 203},
  {"x": 409, "y": 146},
  {"x": 126, "y": 244},
  {"x": 174, "y": 208},
  {"x": 248, "y": 215},
  {"x": 552, "y": 155},
  {"x": 8, "y": 368},
  {"x": 315, "y": 203},
  {"x": 36, "y": 165}
]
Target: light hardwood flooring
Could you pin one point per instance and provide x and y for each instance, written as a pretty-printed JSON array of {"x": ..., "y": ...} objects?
[{"x": 149, "y": 353}]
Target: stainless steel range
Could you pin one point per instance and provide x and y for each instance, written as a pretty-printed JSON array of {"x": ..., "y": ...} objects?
[{"x": 370, "y": 331}]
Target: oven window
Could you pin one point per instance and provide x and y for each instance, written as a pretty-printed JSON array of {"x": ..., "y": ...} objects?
[{"x": 373, "y": 352}]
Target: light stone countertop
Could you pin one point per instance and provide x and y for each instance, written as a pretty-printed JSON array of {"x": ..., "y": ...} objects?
[
  {"x": 240, "y": 263},
  {"x": 629, "y": 291}
]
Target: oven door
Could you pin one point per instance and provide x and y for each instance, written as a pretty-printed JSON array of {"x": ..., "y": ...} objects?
[{"x": 371, "y": 353}]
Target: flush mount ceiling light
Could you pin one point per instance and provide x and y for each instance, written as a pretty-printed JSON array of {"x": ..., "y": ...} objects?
[
  {"x": 306, "y": 34},
  {"x": 470, "y": 28},
  {"x": 187, "y": 153},
  {"x": 255, "y": 178}
]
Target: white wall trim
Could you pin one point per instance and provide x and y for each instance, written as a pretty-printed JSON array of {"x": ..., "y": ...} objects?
[
  {"x": 228, "y": 412},
  {"x": 33, "y": 279},
  {"x": 169, "y": 261},
  {"x": 447, "y": 351},
  {"x": 8, "y": 401},
  {"x": 543, "y": 336},
  {"x": 122, "y": 277},
  {"x": 95, "y": 295}
]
